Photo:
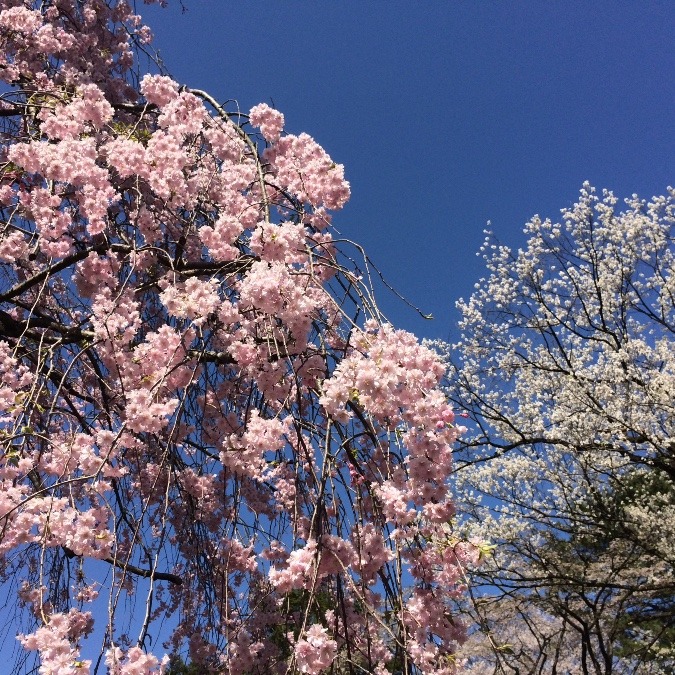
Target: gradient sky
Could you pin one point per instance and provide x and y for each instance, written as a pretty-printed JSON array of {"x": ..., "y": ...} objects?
[{"x": 446, "y": 114}]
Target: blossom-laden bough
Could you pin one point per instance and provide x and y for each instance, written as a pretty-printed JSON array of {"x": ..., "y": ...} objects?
[{"x": 212, "y": 443}]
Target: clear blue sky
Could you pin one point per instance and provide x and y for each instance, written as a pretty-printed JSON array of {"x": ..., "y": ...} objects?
[{"x": 446, "y": 114}]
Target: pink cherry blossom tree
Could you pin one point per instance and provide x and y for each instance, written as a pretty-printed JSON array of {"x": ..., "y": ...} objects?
[
  {"x": 566, "y": 369},
  {"x": 213, "y": 445}
]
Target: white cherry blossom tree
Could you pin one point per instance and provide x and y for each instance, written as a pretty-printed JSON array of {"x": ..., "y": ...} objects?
[{"x": 566, "y": 369}]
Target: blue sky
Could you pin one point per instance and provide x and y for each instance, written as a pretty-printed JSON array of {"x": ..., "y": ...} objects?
[{"x": 446, "y": 114}]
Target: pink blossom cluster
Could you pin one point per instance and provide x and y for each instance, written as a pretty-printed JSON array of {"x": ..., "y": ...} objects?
[
  {"x": 134, "y": 662},
  {"x": 243, "y": 653},
  {"x": 159, "y": 90},
  {"x": 13, "y": 247},
  {"x": 270, "y": 121},
  {"x": 371, "y": 552},
  {"x": 88, "y": 111},
  {"x": 302, "y": 167},
  {"x": 396, "y": 380},
  {"x": 14, "y": 377},
  {"x": 74, "y": 162},
  {"x": 425, "y": 613},
  {"x": 195, "y": 299},
  {"x": 57, "y": 643},
  {"x": 315, "y": 651},
  {"x": 220, "y": 237},
  {"x": 69, "y": 43},
  {"x": 244, "y": 453},
  {"x": 284, "y": 242},
  {"x": 298, "y": 572}
]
